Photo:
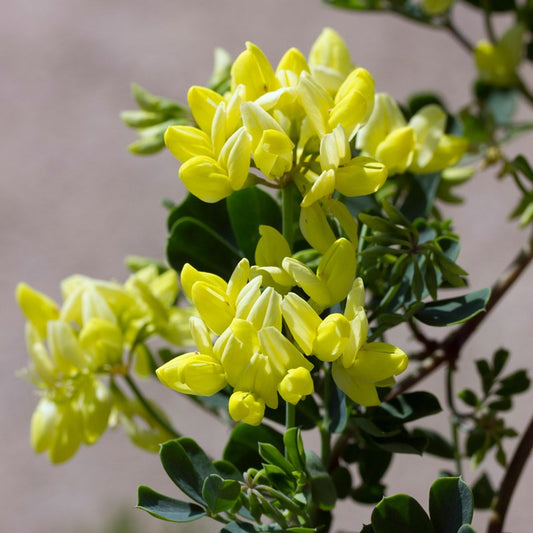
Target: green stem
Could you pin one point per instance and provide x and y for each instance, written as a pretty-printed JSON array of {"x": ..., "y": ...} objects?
[
  {"x": 325, "y": 435},
  {"x": 288, "y": 214},
  {"x": 149, "y": 409},
  {"x": 489, "y": 28},
  {"x": 461, "y": 39}
]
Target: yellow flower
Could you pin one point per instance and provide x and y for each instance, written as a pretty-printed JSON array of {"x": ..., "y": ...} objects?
[
  {"x": 497, "y": 63},
  {"x": 420, "y": 146},
  {"x": 334, "y": 276}
]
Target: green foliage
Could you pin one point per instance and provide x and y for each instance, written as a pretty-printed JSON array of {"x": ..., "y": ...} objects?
[
  {"x": 151, "y": 121},
  {"x": 248, "y": 209},
  {"x": 488, "y": 427}
]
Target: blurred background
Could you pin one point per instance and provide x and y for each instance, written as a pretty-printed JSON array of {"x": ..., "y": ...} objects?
[{"x": 74, "y": 200}]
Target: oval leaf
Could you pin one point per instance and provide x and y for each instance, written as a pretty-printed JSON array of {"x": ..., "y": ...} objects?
[
  {"x": 166, "y": 508},
  {"x": 454, "y": 310},
  {"x": 450, "y": 504},
  {"x": 219, "y": 494},
  {"x": 402, "y": 514},
  {"x": 191, "y": 241},
  {"x": 248, "y": 209}
]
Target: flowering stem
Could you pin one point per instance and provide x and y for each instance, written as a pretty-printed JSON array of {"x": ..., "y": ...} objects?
[
  {"x": 288, "y": 214},
  {"x": 149, "y": 409}
]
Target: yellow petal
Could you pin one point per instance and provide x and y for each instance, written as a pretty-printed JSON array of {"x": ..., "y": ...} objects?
[
  {"x": 305, "y": 278},
  {"x": 189, "y": 276},
  {"x": 323, "y": 187},
  {"x": 245, "y": 407},
  {"x": 213, "y": 306},
  {"x": 235, "y": 158},
  {"x": 332, "y": 337},
  {"x": 337, "y": 269},
  {"x": 185, "y": 142},
  {"x": 316, "y": 103},
  {"x": 37, "y": 307},
  {"x": 296, "y": 384},
  {"x": 203, "y": 103},
  {"x": 253, "y": 70},
  {"x": 315, "y": 228},
  {"x": 294, "y": 61},
  {"x": 361, "y": 392},
  {"x": 330, "y": 50},
  {"x": 397, "y": 150},
  {"x": 302, "y": 321},
  {"x": 206, "y": 179},
  {"x": 274, "y": 153},
  {"x": 361, "y": 176}
]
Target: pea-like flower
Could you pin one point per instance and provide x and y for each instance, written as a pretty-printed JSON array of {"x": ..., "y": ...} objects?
[{"x": 420, "y": 145}]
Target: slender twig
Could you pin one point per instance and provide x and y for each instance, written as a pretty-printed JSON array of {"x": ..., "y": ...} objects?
[
  {"x": 451, "y": 346},
  {"x": 489, "y": 28},
  {"x": 452, "y": 28},
  {"x": 510, "y": 480},
  {"x": 150, "y": 410}
]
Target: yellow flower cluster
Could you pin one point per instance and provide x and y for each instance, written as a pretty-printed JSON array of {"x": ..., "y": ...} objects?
[
  {"x": 419, "y": 145},
  {"x": 292, "y": 124},
  {"x": 70, "y": 346},
  {"x": 265, "y": 335}
]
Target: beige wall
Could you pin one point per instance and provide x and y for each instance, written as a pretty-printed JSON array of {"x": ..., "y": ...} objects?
[{"x": 74, "y": 200}]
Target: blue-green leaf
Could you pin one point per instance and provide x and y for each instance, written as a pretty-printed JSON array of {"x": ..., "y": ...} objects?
[
  {"x": 242, "y": 447},
  {"x": 338, "y": 415},
  {"x": 294, "y": 448},
  {"x": 181, "y": 470},
  {"x": 166, "y": 508},
  {"x": 450, "y": 504},
  {"x": 402, "y": 514},
  {"x": 220, "y": 494},
  {"x": 191, "y": 241},
  {"x": 322, "y": 487},
  {"x": 454, "y": 310},
  {"x": 248, "y": 209}
]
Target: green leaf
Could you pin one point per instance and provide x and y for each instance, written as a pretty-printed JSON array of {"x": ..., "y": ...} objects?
[
  {"x": 368, "y": 493},
  {"x": 166, "y": 508},
  {"x": 273, "y": 456},
  {"x": 494, "y": 5},
  {"x": 181, "y": 470},
  {"x": 501, "y": 104},
  {"x": 294, "y": 448},
  {"x": 338, "y": 415},
  {"x": 450, "y": 504},
  {"x": 219, "y": 494},
  {"x": 499, "y": 360},
  {"x": 372, "y": 464},
  {"x": 242, "y": 447},
  {"x": 322, "y": 487},
  {"x": 402, "y": 514},
  {"x": 411, "y": 406},
  {"x": 248, "y": 209},
  {"x": 514, "y": 383},
  {"x": 214, "y": 215},
  {"x": 403, "y": 442},
  {"x": 453, "y": 311},
  {"x": 367, "y": 528},
  {"x": 202, "y": 463},
  {"x": 417, "y": 101},
  {"x": 191, "y": 241},
  {"x": 227, "y": 470},
  {"x": 421, "y": 195},
  {"x": 483, "y": 492},
  {"x": 342, "y": 479},
  {"x": 436, "y": 444},
  {"x": 521, "y": 164},
  {"x": 466, "y": 528},
  {"x": 239, "y": 527},
  {"x": 469, "y": 397}
]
